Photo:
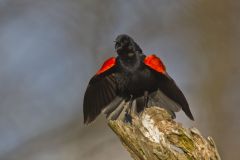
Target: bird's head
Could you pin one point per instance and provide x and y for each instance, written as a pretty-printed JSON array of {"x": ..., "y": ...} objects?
[{"x": 125, "y": 46}]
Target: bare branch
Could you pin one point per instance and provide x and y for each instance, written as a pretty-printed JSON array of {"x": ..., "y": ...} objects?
[{"x": 154, "y": 135}]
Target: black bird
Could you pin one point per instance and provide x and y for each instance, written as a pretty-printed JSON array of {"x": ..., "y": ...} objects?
[{"x": 131, "y": 76}]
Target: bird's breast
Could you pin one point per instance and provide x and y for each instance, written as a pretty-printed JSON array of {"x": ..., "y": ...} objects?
[{"x": 136, "y": 82}]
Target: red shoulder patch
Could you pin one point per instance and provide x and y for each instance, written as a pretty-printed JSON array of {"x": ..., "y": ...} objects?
[
  {"x": 107, "y": 65},
  {"x": 155, "y": 63}
]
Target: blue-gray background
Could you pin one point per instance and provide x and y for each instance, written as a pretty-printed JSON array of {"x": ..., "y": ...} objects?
[{"x": 50, "y": 48}]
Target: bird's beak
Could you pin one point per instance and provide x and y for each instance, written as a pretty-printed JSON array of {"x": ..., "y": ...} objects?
[{"x": 130, "y": 54}]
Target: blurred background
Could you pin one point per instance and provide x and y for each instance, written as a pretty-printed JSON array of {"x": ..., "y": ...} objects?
[{"x": 49, "y": 49}]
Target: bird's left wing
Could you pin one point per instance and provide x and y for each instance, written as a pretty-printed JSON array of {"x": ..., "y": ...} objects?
[{"x": 166, "y": 84}]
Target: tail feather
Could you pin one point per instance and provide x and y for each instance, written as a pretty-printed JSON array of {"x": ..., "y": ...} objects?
[
  {"x": 160, "y": 99},
  {"x": 119, "y": 112},
  {"x": 116, "y": 103}
]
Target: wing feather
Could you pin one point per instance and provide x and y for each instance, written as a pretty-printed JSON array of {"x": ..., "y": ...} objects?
[
  {"x": 167, "y": 86},
  {"x": 101, "y": 91}
]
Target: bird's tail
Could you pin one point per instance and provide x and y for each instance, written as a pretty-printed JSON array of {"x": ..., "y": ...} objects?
[
  {"x": 116, "y": 109},
  {"x": 158, "y": 99}
]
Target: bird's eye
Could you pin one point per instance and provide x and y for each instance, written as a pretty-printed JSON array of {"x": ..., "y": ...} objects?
[{"x": 117, "y": 44}]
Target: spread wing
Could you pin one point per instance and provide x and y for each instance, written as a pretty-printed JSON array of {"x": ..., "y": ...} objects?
[
  {"x": 167, "y": 85},
  {"x": 100, "y": 92}
]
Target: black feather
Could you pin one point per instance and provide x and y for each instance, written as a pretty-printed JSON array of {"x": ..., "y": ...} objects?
[
  {"x": 100, "y": 92},
  {"x": 129, "y": 79},
  {"x": 171, "y": 90}
]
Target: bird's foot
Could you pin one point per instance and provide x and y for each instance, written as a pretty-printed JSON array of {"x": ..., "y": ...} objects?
[
  {"x": 128, "y": 118},
  {"x": 131, "y": 111},
  {"x": 146, "y": 99}
]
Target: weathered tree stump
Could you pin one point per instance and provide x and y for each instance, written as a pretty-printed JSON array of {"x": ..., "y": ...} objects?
[{"x": 154, "y": 135}]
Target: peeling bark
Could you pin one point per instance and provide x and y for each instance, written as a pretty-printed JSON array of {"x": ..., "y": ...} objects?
[{"x": 154, "y": 135}]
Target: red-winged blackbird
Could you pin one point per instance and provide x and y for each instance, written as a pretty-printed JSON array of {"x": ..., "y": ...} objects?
[{"x": 131, "y": 77}]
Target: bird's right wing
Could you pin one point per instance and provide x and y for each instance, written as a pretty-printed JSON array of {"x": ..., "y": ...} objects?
[{"x": 100, "y": 92}]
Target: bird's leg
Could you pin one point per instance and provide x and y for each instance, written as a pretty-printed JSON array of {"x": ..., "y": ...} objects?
[
  {"x": 128, "y": 115},
  {"x": 130, "y": 104},
  {"x": 146, "y": 98}
]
